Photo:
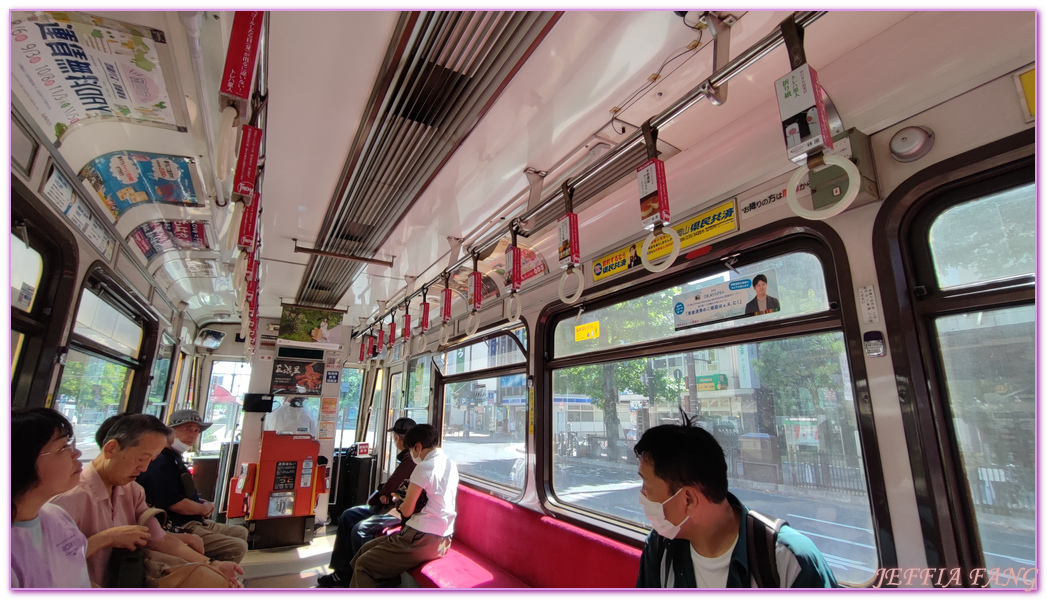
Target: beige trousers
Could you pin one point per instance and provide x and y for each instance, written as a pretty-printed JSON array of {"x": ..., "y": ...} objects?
[{"x": 380, "y": 561}]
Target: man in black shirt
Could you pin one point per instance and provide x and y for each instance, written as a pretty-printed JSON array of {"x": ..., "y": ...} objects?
[{"x": 169, "y": 485}]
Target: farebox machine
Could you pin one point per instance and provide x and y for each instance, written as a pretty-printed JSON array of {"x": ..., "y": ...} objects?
[{"x": 278, "y": 480}]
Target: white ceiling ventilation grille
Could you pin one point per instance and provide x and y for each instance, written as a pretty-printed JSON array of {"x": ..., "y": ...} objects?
[{"x": 441, "y": 73}]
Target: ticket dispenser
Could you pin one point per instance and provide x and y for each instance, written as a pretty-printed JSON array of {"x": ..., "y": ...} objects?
[{"x": 277, "y": 484}]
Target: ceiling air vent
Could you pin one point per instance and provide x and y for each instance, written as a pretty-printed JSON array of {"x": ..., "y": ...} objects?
[
  {"x": 441, "y": 73},
  {"x": 438, "y": 88}
]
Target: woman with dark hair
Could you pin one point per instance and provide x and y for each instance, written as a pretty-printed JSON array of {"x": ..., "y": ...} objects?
[{"x": 47, "y": 548}]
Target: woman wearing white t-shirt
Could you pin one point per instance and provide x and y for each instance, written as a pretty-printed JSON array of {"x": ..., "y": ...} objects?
[
  {"x": 47, "y": 549},
  {"x": 427, "y": 534}
]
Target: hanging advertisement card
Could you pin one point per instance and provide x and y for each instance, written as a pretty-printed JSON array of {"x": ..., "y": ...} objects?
[
  {"x": 247, "y": 163},
  {"x": 805, "y": 123},
  {"x": 125, "y": 179},
  {"x": 654, "y": 196},
  {"x": 743, "y": 297},
  {"x": 75, "y": 67},
  {"x": 238, "y": 74},
  {"x": 569, "y": 251},
  {"x": 297, "y": 377},
  {"x": 249, "y": 224}
]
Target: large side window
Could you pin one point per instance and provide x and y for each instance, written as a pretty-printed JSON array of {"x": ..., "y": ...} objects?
[
  {"x": 105, "y": 368},
  {"x": 485, "y": 409},
  {"x": 974, "y": 260},
  {"x": 782, "y": 407}
]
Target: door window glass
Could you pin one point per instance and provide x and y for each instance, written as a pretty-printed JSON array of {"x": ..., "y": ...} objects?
[
  {"x": 484, "y": 428},
  {"x": 225, "y": 400},
  {"x": 990, "y": 383}
]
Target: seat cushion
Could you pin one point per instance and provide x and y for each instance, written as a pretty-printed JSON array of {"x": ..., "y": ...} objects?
[{"x": 462, "y": 567}]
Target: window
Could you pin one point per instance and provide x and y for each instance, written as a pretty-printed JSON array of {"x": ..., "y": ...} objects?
[
  {"x": 349, "y": 407},
  {"x": 495, "y": 351},
  {"x": 990, "y": 384},
  {"x": 1001, "y": 246},
  {"x": 101, "y": 376},
  {"x": 27, "y": 266},
  {"x": 100, "y": 322},
  {"x": 418, "y": 389},
  {"x": 376, "y": 403},
  {"x": 92, "y": 389},
  {"x": 225, "y": 399},
  {"x": 783, "y": 409},
  {"x": 485, "y": 422},
  {"x": 973, "y": 255},
  {"x": 798, "y": 285},
  {"x": 155, "y": 403}
]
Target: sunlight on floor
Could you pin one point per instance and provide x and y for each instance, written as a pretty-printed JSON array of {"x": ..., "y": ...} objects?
[{"x": 288, "y": 567}]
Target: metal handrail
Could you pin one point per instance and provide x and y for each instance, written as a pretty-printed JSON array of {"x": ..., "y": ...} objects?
[{"x": 747, "y": 58}]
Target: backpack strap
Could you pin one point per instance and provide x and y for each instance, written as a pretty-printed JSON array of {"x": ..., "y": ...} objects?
[{"x": 761, "y": 534}]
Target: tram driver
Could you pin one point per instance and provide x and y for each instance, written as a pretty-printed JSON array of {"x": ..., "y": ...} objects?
[{"x": 702, "y": 533}]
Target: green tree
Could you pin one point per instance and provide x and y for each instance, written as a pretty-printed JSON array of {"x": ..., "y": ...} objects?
[
  {"x": 604, "y": 384},
  {"x": 794, "y": 369},
  {"x": 987, "y": 238}
]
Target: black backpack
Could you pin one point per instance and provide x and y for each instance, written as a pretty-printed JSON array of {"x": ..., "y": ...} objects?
[{"x": 761, "y": 538}]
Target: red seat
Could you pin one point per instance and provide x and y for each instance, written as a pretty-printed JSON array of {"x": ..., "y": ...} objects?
[{"x": 499, "y": 544}]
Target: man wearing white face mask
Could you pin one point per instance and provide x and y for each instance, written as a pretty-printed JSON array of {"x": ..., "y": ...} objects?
[
  {"x": 169, "y": 485},
  {"x": 703, "y": 536}
]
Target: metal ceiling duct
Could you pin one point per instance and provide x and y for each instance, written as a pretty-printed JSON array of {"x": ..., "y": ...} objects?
[{"x": 442, "y": 71}]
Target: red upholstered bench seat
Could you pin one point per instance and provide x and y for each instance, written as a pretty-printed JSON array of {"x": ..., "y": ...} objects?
[
  {"x": 498, "y": 544},
  {"x": 463, "y": 567}
]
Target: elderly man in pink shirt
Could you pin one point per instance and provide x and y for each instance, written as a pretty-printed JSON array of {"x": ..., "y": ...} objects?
[{"x": 107, "y": 503}]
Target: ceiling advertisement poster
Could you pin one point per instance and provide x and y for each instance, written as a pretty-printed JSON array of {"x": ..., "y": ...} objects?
[
  {"x": 76, "y": 67},
  {"x": 125, "y": 179},
  {"x": 154, "y": 237}
]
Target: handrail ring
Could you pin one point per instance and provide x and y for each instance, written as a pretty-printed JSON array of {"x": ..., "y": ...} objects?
[
  {"x": 577, "y": 293},
  {"x": 853, "y": 183},
  {"x": 671, "y": 232},
  {"x": 513, "y": 316}
]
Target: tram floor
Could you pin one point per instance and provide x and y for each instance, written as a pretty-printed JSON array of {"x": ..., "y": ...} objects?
[{"x": 283, "y": 568}]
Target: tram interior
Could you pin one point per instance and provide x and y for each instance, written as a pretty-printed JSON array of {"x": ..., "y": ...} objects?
[{"x": 367, "y": 161}]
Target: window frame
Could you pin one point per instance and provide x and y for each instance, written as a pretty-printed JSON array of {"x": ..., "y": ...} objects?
[
  {"x": 44, "y": 326},
  {"x": 912, "y": 303},
  {"x": 775, "y": 239},
  {"x": 439, "y": 382},
  {"x": 106, "y": 285}
]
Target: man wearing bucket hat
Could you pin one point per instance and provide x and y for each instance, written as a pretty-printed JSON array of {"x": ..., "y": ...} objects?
[
  {"x": 360, "y": 524},
  {"x": 169, "y": 485}
]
